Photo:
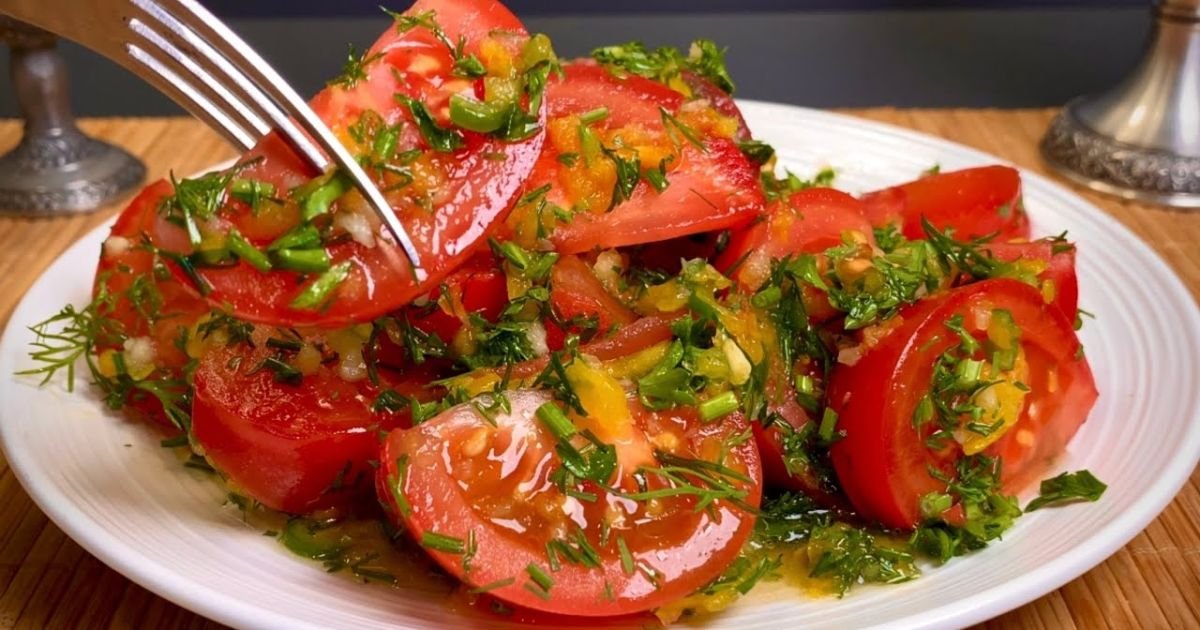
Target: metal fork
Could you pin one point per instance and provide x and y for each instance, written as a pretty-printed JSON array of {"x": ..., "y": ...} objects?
[{"x": 183, "y": 50}]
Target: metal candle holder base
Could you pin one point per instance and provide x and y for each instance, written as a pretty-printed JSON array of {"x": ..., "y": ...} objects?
[
  {"x": 1101, "y": 163},
  {"x": 1141, "y": 139},
  {"x": 55, "y": 169}
]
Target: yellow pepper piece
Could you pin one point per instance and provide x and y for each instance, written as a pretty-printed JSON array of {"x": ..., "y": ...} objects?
[
  {"x": 1002, "y": 401},
  {"x": 637, "y": 364},
  {"x": 604, "y": 399}
]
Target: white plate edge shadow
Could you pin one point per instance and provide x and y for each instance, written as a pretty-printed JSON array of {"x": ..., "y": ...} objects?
[{"x": 985, "y": 604}]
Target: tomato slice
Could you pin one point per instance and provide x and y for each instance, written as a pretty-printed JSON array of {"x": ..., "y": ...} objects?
[
  {"x": 974, "y": 202},
  {"x": 478, "y": 495},
  {"x": 293, "y": 446},
  {"x": 447, "y": 200},
  {"x": 707, "y": 189},
  {"x": 148, "y": 306},
  {"x": 721, "y": 101},
  {"x": 145, "y": 303},
  {"x": 1053, "y": 261},
  {"x": 478, "y": 287},
  {"x": 622, "y": 342},
  {"x": 576, "y": 292},
  {"x": 809, "y": 221},
  {"x": 805, "y": 477},
  {"x": 884, "y": 462}
]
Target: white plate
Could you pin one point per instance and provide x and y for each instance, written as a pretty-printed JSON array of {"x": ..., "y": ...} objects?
[{"x": 110, "y": 486}]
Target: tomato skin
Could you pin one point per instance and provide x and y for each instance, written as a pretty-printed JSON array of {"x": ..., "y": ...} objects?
[
  {"x": 721, "y": 192},
  {"x": 685, "y": 554},
  {"x": 708, "y": 190},
  {"x": 770, "y": 445},
  {"x": 286, "y": 445},
  {"x": 973, "y": 202},
  {"x": 588, "y": 86},
  {"x": 702, "y": 88},
  {"x": 576, "y": 292},
  {"x": 1059, "y": 261},
  {"x": 117, "y": 271},
  {"x": 883, "y": 463},
  {"x": 483, "y": 179},
  {"x": 479, "y": 287},
  {"x": 809, "y": 221},
  {"x": 626, "y": 340}
]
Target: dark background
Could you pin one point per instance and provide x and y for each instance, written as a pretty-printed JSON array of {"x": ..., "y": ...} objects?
[{"x": 821, "y": 53}]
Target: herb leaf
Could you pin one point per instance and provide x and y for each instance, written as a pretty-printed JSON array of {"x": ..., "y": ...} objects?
[
  {"x": 666, "y": 64},
  {"x": 438, "y": 138},
  {"x": 1069, "y": 486},
  {"x": 354, "y": 69}
]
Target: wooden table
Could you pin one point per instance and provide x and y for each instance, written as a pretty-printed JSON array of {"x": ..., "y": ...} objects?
[{"x": 48, "y": 580}]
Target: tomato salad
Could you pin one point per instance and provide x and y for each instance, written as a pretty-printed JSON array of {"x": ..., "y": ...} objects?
[{"x": 645, "y": 371}]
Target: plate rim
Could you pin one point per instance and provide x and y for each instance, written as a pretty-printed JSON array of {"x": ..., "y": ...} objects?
[{"x": 1109, "y": 538}]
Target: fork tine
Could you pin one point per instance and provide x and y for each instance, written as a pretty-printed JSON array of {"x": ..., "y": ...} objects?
[
  {"x": 183, "y": 65},
  {"x": 245, "y": 59},
  {"x": 211, "y": 67},
  {"x": 183, "y": 92}
]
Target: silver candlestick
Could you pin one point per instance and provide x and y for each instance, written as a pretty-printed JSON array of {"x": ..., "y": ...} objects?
[
  {"x": 1141, "y": 139},
  {"x": 55, "y": 169}
]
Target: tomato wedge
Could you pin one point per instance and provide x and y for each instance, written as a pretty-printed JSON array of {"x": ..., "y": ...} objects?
[
  {"x": 809, "y": 477},
  {"x": 481, "y": 496},
  {"x": 973, "y": 202},
  {"x": 575, "y": 293},
  {"x": 145, "y": 303},
  {"x": 884, "y": 461},
  {"x": 721, "y": 101},
  {"x": 148, "y": 306},
  {"x": 1052, "y": 261},
  {"x": 294, "y": 442},
  {"x": 808, "y": 221},
  {"x": 640, "y": 126},
  {"x": 446, "y": 193},
  {"x": 478, "y": 287}
]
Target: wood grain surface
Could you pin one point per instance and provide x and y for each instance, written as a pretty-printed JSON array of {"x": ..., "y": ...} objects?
[{"x": 46, "y": 580}]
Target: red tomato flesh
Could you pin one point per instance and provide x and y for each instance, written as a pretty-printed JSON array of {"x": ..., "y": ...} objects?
[
  {"x": 708, "y": 189},
  {"x": 462, "y": 477},
  {"x": 292, "y": 447},
  {"x": 624, "y": 341},
  {"x": 776, "y": 473},
  {"x": 447, "y": 211},
  {"x": 972, "y": 202},
  {"x": 576, "y": 292},
  {"x": 164, "y": 306},
  {"x": 883, "y": 462},
  {"x": 808, "y": 221},
  {"x": 478, "y": 287},
  {"x": 1056, "y": 261}
]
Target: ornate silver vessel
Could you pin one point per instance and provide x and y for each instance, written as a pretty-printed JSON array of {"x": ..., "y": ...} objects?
[
  {"x": 1141, "y": 139},
  {"x": 56, "y": 168}
]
